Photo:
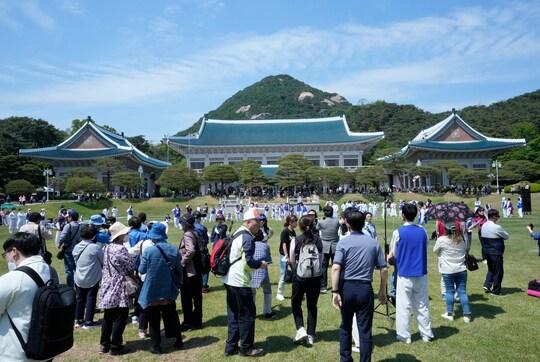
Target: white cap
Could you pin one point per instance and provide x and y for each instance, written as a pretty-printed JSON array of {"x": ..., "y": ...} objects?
[{"x": 251, "y": 214}]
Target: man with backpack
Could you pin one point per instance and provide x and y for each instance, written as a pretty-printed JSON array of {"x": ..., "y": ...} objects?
[
  {"x": 240, "y": 305},
  {"x": 21, "y": 339}
]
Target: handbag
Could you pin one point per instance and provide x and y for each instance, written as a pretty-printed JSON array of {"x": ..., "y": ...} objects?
[
  {"x": 288, "y": 274},
  {"x": 470, "y": 262},
  {"x": 131, "y": 281},
  {"x": 61, "y": 253}
]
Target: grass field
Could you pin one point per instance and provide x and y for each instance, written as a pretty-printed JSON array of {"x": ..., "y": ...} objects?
[{"x": 503, "y": 329}]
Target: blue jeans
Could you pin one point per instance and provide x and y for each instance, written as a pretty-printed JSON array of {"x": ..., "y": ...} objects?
[
  {"x": 69, "y": 266},
  {"x": 282, "y": 268},
  {"x": 205, "y": 280},
  {"x": 456, "y": 282}
]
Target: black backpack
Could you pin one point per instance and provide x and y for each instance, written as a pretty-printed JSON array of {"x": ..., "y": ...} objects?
[{"x": 51, "y": 324}]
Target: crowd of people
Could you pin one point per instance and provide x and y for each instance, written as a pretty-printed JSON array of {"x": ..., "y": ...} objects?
[{"x": 135, "y": 267}]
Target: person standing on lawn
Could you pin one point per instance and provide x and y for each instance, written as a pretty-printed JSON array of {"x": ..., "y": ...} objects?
[
  {"x": 493, "y": 237},
  {"x": 69, "y": 237},
  {"x": 306, "y": 259},
  {"x": 357, "y": 255},
  {"x": 113, "y": 298},
  {"x": 535, "y": 235},
  {"x": 88, "y": 261},
  {"x": 451, "y": 250},
  {"x": 162, "y": 272},
  {"x": 191, "y": 291},
  {"x": 241, "y": 310},
  {"x": 328, "y": 230},
  {"x": 286, "y": 237},
  {"x": 409, "y": 248}
]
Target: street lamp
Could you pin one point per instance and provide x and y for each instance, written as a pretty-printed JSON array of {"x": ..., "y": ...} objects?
[
  {"x": 497, "y": 165},
  {"x": 140, "y": 170},
  {"x": 47, "y": 172}
]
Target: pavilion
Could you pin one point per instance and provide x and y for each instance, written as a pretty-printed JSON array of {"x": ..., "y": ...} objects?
[
  {"x": 92, "y": 142},
  {"x": 450, "y": 139}
]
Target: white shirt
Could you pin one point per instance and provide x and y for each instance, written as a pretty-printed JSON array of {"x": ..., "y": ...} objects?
[
  {"x": 451, "y": 255},
  {"x": 17, "y": 291}
]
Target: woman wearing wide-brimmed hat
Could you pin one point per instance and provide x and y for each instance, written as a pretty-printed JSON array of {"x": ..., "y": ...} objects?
[
  {"x": 160, "y": 264},
  {"x": 113, "y": 298}
]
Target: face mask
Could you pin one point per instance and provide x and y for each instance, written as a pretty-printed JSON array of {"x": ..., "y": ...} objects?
[{"x": 12, "y": 266}]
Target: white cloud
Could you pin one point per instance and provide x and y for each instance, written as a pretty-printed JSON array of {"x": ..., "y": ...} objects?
[
  {"x": 466, "y": 46},
  {"x": 73, "y": 7}
]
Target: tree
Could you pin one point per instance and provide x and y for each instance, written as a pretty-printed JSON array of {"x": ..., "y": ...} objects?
[
  {"x": 316, "y": 176},
  {"x": 128, "y": 179},
  {"x": 179, "y": 178},
  {"x": 84, "y": 184},
  {"x": 292, "y": 171},
  {"x": 219, "y": 173},
  {"x": 109, "y": 166},
  {"x": 337, "y": 176},
  {"x": 519, "y": 170},
  {"x": 370, "y": 176},
  {"x": 527, "y": 130},
  {"x": 57, "y": 183},
  {"x": 19, "y": 187},
  {"x": 141, "y": 143},
  {"x": 250, "y": 173},
  {"x": 32, "y": 173}
]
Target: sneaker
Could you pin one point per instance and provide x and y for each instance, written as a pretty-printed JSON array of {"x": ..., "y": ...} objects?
[
  {"x": 355, "y": 349},
  {"x": 79, "y": 324},
  {"x": 104, "y": 349},
  {"x": 448, "y": 316},
  {"x": 134, "y": 320},
  {"x": 310, "y": 340},
  {"x": 324, "y": 291},
  {"x": 142, "y": 334},
  {"x": 231, "y": 353},
  {"x": 486, "y": 289},
  {"x": 404, "y": 340},
  {"x": 301, "y": 335},
  {"x": 252, "y": 352},
  {"x": 467, "y": 319},
  {"x": 280, "y": 297},
  {"x": 426, "y": 339},
  {"x": 90, "y": 325}
]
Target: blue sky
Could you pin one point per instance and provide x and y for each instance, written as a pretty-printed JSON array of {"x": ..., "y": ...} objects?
[{"x": 154, "y": 67}]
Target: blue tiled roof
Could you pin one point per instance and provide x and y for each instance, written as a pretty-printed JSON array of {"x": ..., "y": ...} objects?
[
  {"x": 124, "y": 148},
  {"x": 275, "y": 132},
  {"x": 481, "y": 145}
]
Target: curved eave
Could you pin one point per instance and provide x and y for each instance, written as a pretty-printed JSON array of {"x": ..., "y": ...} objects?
[
  {"x": 53, "y": 153},
  {"x": 150, "y": 161},
  {"x": 365, "y": 138},
  {"x": 462, "y": 147}
]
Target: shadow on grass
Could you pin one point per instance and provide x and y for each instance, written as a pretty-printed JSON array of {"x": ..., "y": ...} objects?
[
  {"x": 477, "y": 297},
  {"x": 198, "y": 342},
  {"x": 331, "y": 335},
  {"x": 487, "y": 311},
  {"x": 508, "y": 291},
  {"x": 219, "y": 321},
  {"x": 279, "y": 344},
  {"x": 403, "y": 357},
  {"x": 385, "y": 339},
  {"x": 443, "y": 332},
  {"x": 281, "y": 312}
]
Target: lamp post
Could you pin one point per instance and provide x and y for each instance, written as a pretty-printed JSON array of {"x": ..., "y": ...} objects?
[
  {"x": 47, "y": 172},
  {"x": 140, "y": 170},
  {"x": 497, "y": 164}
]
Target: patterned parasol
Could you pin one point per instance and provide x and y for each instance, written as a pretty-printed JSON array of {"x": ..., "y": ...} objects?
[{"x": 449, "y": 211}]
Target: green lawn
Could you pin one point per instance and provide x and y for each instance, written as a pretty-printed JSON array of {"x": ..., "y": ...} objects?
[{"x": 503, "y": 328}]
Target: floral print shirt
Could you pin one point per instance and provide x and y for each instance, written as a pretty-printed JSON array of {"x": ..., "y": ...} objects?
[{"x": 117, "y": 263}]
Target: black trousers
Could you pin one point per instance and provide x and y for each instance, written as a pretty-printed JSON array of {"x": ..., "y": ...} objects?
[
  {"x": 85, "y": 306},
  {"x": 328, "y": 259},
  {"x": 171, "y": 322},
  {"x": 356, "y": 298},
  {"x": 240, "y": 318},
  {"x": 311, "y": 288},
  {"x": 112, "y": 328},
  {"x": 191, "y": 297},
  {"x": 495, "y": 273}
]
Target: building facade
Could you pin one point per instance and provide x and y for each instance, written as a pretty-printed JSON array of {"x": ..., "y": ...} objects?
[
  {"x": 451, "y": 139},
  {"x": 92, "y": 142},
  {"x": 326, "y": 142}
]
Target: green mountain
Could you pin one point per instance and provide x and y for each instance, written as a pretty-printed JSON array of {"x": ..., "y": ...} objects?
[{"x": 282, "y": 96}]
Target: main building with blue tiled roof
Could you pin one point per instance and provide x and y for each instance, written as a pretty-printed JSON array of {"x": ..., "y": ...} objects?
[
  {"x": 324, "y": 141},
  {"x": 92, "y": 142}
]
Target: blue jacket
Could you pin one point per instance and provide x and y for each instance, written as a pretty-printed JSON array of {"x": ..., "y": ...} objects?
[
  {"x": 161, "y": 283},
  {"x": 136, "y": 235}
]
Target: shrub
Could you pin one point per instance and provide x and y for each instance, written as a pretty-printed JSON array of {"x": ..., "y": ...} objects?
[
  {"x": 535, "y": 187},
  {"x": 19, "y": 187}
]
